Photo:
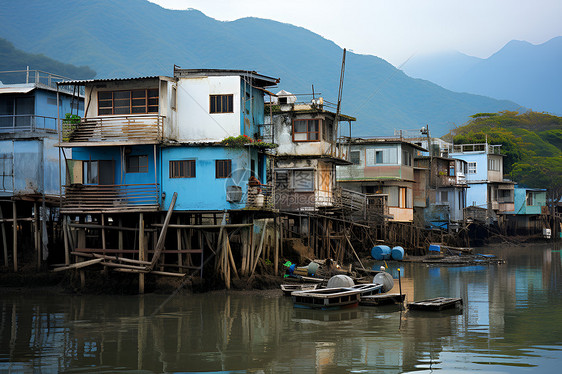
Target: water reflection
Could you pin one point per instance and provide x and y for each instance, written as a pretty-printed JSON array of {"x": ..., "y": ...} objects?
[{"x": 511, "y": 319}]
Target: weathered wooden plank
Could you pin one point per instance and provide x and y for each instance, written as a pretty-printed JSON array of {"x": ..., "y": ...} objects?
[{"x": 79, "y": 265}]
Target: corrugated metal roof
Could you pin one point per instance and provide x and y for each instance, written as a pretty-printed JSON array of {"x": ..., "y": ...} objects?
[
  {"x": 83, "y": 82},
  {"x": 16, "y": 89}
]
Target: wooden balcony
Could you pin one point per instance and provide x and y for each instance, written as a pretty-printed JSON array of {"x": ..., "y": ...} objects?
[
  {"x": 114, "y": 130},
  {"x": 80, "y": 198}
]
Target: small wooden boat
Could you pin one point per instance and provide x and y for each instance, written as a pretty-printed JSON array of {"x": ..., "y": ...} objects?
[
  {"x": 368, "y": 289},
  {"x": 436, "y": 304},
  {"x": 382, "y": 299},
  {"x": 289, "y": 288},
  {"x": 327, "y": 298}
]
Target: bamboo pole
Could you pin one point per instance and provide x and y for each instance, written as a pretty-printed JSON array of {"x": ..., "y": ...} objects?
[
  {"x": 259, "y": 249},
  {"x": 162, "y": 237},
  {"x": 79, "y": 265},
  {"x": 230, "y": 257}
]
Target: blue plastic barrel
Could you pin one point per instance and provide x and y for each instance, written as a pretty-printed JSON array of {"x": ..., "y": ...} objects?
[
  {"x": 434, "y": 248},
  {"x": 397, "y": 253},
  {"x": 381, "y": 252}
]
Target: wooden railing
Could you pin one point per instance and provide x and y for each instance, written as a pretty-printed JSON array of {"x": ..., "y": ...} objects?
[
  {"x": 80, "y": 198},
  {"x": 262, "y": 197},
  {"x": 127, "y": 128}
]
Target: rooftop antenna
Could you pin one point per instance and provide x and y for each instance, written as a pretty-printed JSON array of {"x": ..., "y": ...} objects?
[{"x": 338, "y": 108}]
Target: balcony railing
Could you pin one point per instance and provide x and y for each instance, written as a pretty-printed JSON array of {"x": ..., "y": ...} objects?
[
  {"x": 262, "y": 197},
  {"x": 27, "y": 122},
  {"x": 126, "y": 128},
  {"x": 110, "y": 198}
]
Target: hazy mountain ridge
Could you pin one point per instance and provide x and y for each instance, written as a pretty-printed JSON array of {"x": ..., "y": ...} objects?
[
  {"x": 523, "y": 72},
  {"x": 135, "y": 37},
  {"x": 13, "y": 59}
]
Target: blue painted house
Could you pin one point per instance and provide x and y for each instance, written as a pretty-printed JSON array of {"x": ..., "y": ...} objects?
[
  {"x": 142, "y": 139},
  {"x": 29, "y": 133},
  {"x": 484, "y": 176},
  {"x": 529, "y": 211},
  {"x": 29, "y": 158}
]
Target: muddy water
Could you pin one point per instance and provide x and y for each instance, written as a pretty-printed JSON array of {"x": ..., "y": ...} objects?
[{"x": 511, "y": 322}]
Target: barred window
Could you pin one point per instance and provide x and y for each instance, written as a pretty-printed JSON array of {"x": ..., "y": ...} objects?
[
  {"x": 128, "y": 102},
  {"x": 221, "y": 104},
  {"x": 355, "y": 157},
  {"x": 182, "y": 169},
  {"x": 223, "y": 168}
]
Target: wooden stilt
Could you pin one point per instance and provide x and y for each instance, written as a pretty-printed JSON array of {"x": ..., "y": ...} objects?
[
  {"x": 36, "y": 236},
  {"x": 255, "y": 262},
  {"x": 230, "y": 257},
  {"x": 120, "y": 236},
  {"x": 102, "y": 231},
  {"x": 178, "y": 237},
  {"x": 142, "y": 252},
  {"x": 4, "y": 240},
  {"x": 276, "y": 236},
  {"x": 65, "y": 237},
  {"x": 15, "y": 236}
]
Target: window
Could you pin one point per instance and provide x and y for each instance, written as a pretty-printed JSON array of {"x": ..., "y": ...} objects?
[
  {"x": 444, "y": 196},
  {"x": 91, "y": 170},
  {"x": 378, "y": 157},
  {"x": 221, "y": 104},
  {"x": 355, "y": 157},
  {"x": 137, "y": 164},
  {"x": 128, "y": 102},
  {"x": 471, "y": 168},
  {"x": 306, "y": 130},
  {"x": 182, "y": 169},
  {"x": 529, "y": 198},
  {"x": 406, "y": 158},
  {"x": 303, "y": 180},
  {"x": 174, "y": 99},
  {"x": 223, "y": 168},
  {"x": 494, "y": 164}
]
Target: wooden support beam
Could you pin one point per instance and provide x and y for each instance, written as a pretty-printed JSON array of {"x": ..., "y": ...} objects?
[
  {"x": 36, "y": 237},
  {"x": 15, "y": 236},
  {"x": 230, "y": 257},
  {"x": 353, "y": 249},
  {"x": 4, "y": 239},
  {"x": 79, "y": 265},
  {"x": 162, "y": 237},
  {"x": 204, "y": 227},
  {"x": 260, "y": 248},
  {"x": 142, "y": 252}
]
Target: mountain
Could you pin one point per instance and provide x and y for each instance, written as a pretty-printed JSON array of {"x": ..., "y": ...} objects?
[
  {"x": 522, "y": 72},
  {"x": 135, "y": 37},
  {"x": 14, "y": 59}
]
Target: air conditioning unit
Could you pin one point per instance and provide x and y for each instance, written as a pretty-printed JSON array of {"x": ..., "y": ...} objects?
[{"x": 234, "y": 194}]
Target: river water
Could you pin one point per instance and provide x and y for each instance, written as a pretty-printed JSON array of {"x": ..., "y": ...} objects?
[{"x": 511, "y": 322}]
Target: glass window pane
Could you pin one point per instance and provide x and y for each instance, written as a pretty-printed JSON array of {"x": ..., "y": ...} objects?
[
  {"x": 138, "y": 94},
  {"x": 313, "y": 136},
  {"x": 152, "y": 109},
  {"x": 105, "y": 111},
  {"x": 313, "y": 125},
  {"x": 300, "y": 126},
  {"x": 139, "y": 102},
  {"x": 105, "y": 95},
  {"x": 153, "y": 92},
  {"x": 122, "y": 95},
  {"x": 152, "y": 101},
  {"x": 123, "y": 110},
  {"x": 137, "y": 110}
]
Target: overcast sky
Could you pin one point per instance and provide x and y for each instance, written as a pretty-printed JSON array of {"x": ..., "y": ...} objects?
[{"x": 398, "y": 29}]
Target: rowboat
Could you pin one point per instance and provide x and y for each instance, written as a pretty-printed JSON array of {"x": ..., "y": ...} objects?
[
  {"x": 290, "y": 288},
  {"x": 327, "y": 298}
]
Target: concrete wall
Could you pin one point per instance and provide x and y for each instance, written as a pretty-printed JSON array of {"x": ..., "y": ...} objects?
[
  {"x": 195, "y": 122},
  {"x": 205, "y": 191},
  {"x": 481, "y": 159},
  {"x": 477, "y": 194},
  {"x": 520, "y": 201},
  {"x": 369, "y": 169}
]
